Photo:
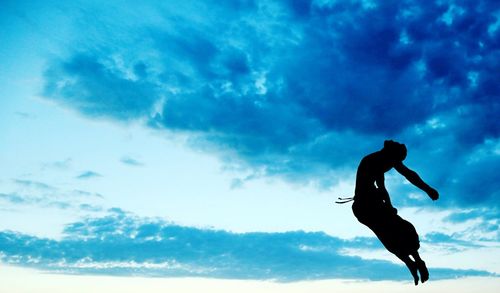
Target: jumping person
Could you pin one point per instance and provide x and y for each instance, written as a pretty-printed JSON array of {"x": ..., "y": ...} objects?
[{"x": 372, "y": 205}]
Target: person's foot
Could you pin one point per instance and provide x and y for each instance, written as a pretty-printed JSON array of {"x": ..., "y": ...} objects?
[
  {"x": 424, "y": 273},
  {"x": 412, "y": 266}
]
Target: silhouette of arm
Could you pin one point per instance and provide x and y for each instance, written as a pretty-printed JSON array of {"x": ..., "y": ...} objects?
[{"x": 414, "y": 179}]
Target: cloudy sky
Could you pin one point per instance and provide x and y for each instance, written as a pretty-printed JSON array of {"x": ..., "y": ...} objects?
[{"x": 203, "y": 143}]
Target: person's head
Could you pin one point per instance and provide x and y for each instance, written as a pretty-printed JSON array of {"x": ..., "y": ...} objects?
[{"x": 395, "y": 150}]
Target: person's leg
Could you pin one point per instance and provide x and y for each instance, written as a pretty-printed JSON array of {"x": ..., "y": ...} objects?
[
  {"x": 408, "y": 244},
  {"x": 422, "y": 268},
  {"x": 412, "y": 266},
  {"x": 381, "y": 223}
]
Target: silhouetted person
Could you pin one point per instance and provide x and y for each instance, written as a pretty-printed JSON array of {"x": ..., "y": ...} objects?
[{"x": 372, "y": 205}]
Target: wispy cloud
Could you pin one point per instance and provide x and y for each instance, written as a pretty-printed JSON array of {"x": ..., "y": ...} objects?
[
  {"x": 453, "y": 240},
  {"x": 33, "y": 184},
  {"x": 123, "y": 244},
  {"x": 131, "y": 161},
  {"x": 12, "y": 198},
  {"x": 25, "y": 115},
  {"x": 87, "y": 193},
  {"x": 53, "y": 198},
  {"x": 88, "y": 175},
  {"x": 485, "y": 214},
  {"x": 90, "y": 207},
  {"x": 63, "y": 164},
  {"x": 45, "y": 201}
]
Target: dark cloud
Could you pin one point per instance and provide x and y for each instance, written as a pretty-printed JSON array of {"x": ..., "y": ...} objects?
[
  {"x": 97, "y": 90},
  {"x": 121, "y": 244},
  {"x": 304, "y": 89}
]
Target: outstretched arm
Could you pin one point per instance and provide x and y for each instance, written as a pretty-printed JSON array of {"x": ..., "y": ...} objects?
[{"x": 414, "y": 179}]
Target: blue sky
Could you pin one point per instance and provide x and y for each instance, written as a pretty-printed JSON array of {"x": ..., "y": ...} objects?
[{"x": 203, "y": 139}]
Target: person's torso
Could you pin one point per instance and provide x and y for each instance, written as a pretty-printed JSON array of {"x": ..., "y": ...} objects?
[{"x": 372, "y": 166}]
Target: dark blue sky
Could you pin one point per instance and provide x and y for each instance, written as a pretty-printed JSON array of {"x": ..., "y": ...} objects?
[{"x": 299, "y": 88}]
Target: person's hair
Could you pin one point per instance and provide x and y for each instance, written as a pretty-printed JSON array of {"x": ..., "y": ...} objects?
[{"x": 395, "y": 149}]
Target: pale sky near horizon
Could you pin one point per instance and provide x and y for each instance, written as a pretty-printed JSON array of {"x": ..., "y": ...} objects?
[
  {"x": 25, "y": 280},
  {"x": 207, "y": 143}
]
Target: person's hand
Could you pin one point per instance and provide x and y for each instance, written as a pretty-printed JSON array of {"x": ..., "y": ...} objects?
[{"x": 433, "y": 194}]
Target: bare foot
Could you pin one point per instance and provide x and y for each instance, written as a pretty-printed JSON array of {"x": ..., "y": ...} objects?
[
  {"x": 424, "y": 273},
  {"x": 412, "y": 266}
]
